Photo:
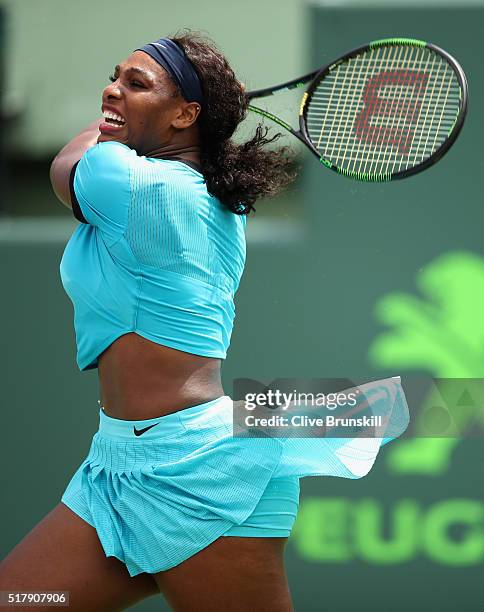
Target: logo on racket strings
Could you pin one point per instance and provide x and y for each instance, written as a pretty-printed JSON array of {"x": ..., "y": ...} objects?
[{"x": 392, "y": 102}]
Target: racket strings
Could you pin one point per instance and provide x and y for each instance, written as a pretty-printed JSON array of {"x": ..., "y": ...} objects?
[{"x": 385, "y": 110}]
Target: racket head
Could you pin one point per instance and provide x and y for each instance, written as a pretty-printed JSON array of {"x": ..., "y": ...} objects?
[{"x": 386, "y": 110}]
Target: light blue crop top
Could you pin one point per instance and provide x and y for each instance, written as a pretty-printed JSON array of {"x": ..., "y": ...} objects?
[{"x": 154, "y": 254}]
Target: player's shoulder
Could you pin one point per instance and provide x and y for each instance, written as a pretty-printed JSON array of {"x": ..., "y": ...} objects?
[
  {"x": 109, "y": 153},
  {"x": 104, "y": 173}
]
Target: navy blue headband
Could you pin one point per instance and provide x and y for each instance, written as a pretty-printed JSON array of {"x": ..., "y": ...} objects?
[{"x": 173, "y": 59}]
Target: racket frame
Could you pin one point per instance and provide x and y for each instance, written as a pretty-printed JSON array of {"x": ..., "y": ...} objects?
[{"x": 315, "y": 77}]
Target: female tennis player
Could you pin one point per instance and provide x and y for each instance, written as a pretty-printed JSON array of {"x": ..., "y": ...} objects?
[{"x": 167, "y": 500}]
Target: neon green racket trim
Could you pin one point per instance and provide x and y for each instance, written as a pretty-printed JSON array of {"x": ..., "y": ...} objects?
[
  {"x": 270, "y": 116},
  {"x": 397, "y": 41},
  {"x": 362, "y": 176}
]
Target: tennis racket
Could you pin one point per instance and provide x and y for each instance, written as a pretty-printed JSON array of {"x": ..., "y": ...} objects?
[{"x": 381, "y": 112}]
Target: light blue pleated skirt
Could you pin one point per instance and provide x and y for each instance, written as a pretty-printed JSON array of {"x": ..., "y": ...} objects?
[{"x": 158, "y": 498}]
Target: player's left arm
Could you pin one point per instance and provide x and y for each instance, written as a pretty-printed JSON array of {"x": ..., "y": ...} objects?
[{"x": 60, "y": 169}]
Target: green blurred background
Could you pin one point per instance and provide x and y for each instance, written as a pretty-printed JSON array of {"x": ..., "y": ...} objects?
[{"x": 342, "y": 280}]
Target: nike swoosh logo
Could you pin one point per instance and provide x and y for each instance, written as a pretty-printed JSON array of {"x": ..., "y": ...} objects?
[{"x": 139, "y": 432}]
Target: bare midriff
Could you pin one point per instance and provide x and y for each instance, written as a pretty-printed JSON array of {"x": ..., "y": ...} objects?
[{"x": 140, "y": 379}]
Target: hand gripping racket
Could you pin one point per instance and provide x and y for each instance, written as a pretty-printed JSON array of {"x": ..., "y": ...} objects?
[{"x": 381, "y": 112}]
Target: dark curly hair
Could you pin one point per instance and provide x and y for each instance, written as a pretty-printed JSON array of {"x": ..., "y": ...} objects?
[{"x": 237, "y": 174}]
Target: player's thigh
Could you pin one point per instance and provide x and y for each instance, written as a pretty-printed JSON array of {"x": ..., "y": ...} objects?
[
  {"x": 63, "y": 553},
  {"x": 232, "y": 574}
]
